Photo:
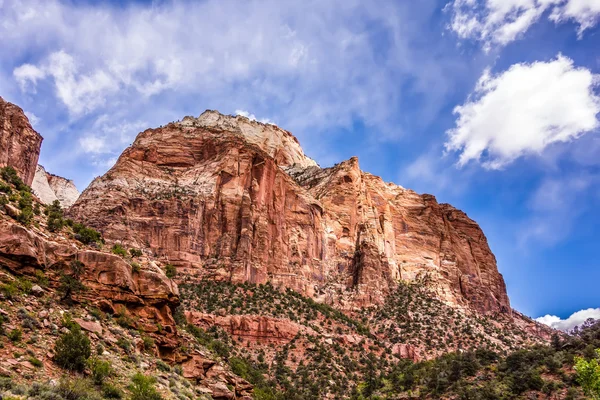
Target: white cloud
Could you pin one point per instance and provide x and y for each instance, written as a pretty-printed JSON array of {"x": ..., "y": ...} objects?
[
  {"x": 524, "y": 110},
  {"x": 288, "y": 60},
  {"x": 93, "y": 144},
  {"x": 80, "y": 92},
  {"x": 576, "y": 319},
  {"x": 252, "y": 117},
  {"x": 27, "y": 76},
  {"x": 499, "y": 22}
]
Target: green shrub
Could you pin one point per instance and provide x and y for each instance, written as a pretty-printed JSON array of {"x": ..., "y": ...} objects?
[
  {"x": 35, "y": 362},
  {"x": 124, "y": 344},
  {"x": 162, "y": 366},
  {"x": 170, "y": 271},
  {"x": 10, "y": 175},
  {"x": 148, "y": 343},
  {"x": 41, "y": 278},
  {"x": 100, "y": 370},
  {"x": 135, "y": 267},
  {"x": 135, "y": 252},
  {"x": 10, "y": 290},
  {"x": 26, "y": 207},
  {"x": 142, "y": 388},
  {"x": 72, "y": 350},
  {"x": 110, "y": 391},
  {"x": 76, "y": 389},
  {"x": 85, "y": 234},
  {"x": 15, "y": 335},
  {"x": 119, "y": 250}
]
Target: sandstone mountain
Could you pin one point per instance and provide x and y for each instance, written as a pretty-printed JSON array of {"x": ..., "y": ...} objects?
[
  {"x": 229, "y": 265},
  {"x": 19, "y": 143},
  {"x": 49, "y": 187},
  {"x": 230, "y": 198}
]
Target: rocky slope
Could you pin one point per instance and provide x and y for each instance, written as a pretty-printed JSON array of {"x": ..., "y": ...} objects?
[
  {"x": 52, "y": 272},
  {"x": 19, "y": 143},
  {"x": 49, "y": 187},
  {"x": 229, "y": 198}
]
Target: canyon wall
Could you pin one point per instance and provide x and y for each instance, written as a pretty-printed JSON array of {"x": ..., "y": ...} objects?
[{"x": 229, "y": 198}]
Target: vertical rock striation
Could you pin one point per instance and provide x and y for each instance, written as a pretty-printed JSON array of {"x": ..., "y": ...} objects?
[{"x": 19, "y": 143}]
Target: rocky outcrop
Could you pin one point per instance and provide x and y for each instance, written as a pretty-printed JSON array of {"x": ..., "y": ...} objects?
[
  {"x": 229, "y": 198},
  {"x": 49, "y": 187},
  {"x": 19, "y": 143},
  {"x": 253, "y": 328},
  {"x": 146, "y": 298},
  {"x": 41, "y": 186}
]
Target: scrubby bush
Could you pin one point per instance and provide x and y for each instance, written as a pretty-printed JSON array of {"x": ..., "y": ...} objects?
[
  {"x": 170, "y": 271},
  {"x": 85, "y": 234},
  {"x": 119, "y": 250},
  {"x": 135, "y": 252},
  {"x": 15, "y": 335},
  {"x": 72, "y": 349},
  {"x": 100, "y": 370},
  {"x": 142, "y": 388},
  {"x": 10, "y": 175}
]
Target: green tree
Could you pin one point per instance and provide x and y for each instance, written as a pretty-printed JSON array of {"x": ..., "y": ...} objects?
[
  {"x": 73, "y": 349},
  {"x": 588, "y": 375},
  {"x": 55, "y": 216}
]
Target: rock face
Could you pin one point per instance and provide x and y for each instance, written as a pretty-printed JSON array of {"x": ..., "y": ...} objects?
[
  {"x": 19, "y": 143},
  {"x": 229, "y": 198},
  {"x": 254, "y": 328},
  {"x": 147, "y": 297},
  {"x": 49, "y": 187}
]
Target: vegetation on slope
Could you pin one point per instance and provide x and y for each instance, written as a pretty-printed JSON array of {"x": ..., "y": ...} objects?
[{"x": 481, "y": 359}]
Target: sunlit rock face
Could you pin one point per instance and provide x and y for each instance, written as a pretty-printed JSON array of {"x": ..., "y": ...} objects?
[
  {"x": 19, "y": 143},
  {"x": 230, "y": 198},
  {"x": 49, "y": 187}
]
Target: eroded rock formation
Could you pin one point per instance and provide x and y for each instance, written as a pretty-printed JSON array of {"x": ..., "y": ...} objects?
[
  {"x": 146, "y": 297},
  {"x": 230, "y": 198},
  {"x": 19, "y": 143},
  {"x": 49, "y": 187}
]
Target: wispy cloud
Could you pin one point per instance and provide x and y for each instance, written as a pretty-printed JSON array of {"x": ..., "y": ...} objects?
[
  {"x": 499, "y": 22},
  {"x": 557, "y": 205}
]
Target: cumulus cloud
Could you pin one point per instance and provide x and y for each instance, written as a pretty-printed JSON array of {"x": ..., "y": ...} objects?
[
  {"x": 524, "y": 110},
  {"x": 576, "y": 319},
  {"x": 499, "y": 22}
]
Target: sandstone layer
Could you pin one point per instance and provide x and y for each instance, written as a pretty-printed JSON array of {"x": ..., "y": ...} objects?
[
  {"x": 19, "y": 143},
  {"x": 229, "y": 198},
  {"x": 109, "y": 281},
  {"x": 49, "y": 187}
]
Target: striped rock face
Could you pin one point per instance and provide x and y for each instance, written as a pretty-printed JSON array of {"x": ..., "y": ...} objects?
[
  {"x": 229, "y": 198},
  {"x": 19, "y": 143}
]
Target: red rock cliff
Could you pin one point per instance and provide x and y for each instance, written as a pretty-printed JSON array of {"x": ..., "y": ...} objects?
[
  {"x": 236, "y": 199},
  {"x": 19, "y": 143}
]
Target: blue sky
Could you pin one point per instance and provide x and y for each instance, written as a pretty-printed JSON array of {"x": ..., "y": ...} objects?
[{"x": 491, "y": 105}]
